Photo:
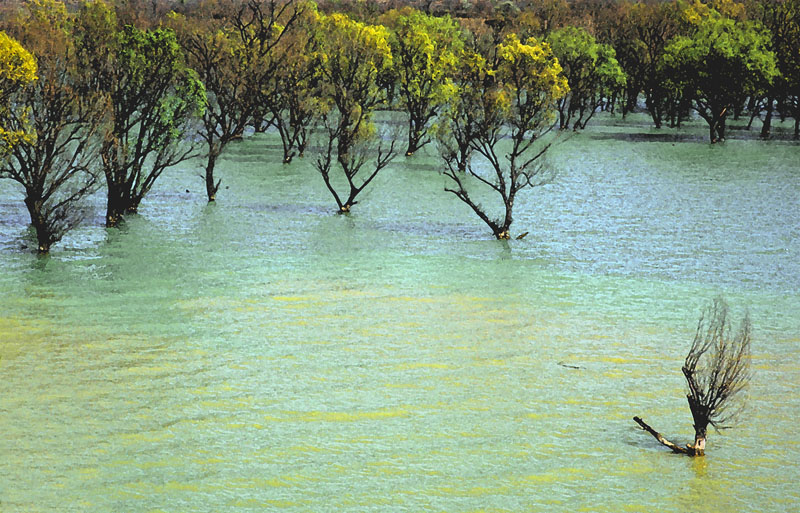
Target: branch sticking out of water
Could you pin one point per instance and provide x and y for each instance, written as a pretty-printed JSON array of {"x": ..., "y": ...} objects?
[{"x": 675, "y": 448}]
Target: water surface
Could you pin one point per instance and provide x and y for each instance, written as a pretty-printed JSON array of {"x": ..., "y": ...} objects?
[{"x": 266, "y": 354}]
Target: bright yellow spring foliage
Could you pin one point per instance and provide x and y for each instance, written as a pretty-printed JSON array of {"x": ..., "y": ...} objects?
[
  {"x": 17, "y": 65},
  {"x": 17, "y": 69},
  {"x": 531, "y": 66},
  {"x": 344, "y": 38}
]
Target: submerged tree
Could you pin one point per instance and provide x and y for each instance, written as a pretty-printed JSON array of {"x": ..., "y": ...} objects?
[
  {"x": 784, "y": 27},
  {"x": 292, "y": 89},
  {"x": 56, "y": 162},
  {"x": 153, "y": 99},
  {"x": 717, "y": 370},
  {"x": 720, "y": 64},
  {"x": 424, "y": 50},
  {"x": 230, "y": 48},
  {"x": 502, "y": 113},
  {"x": 592, "y": 71},
  {"x": 351, "y": 56}
]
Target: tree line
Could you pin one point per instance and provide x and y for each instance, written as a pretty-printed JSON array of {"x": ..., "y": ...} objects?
[{"x": 115, "y": 92}]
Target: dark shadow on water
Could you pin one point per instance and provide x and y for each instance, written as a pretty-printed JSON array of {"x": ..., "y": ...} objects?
[
  {"x": 648, "y": 137},
  {"x": 288, "y": 208},
  {"x": 40, "y": 262},
  {"x": 435, "y": 230},
  {"x": 421, "y": 165},
  {"x": 674, "y": 137}
]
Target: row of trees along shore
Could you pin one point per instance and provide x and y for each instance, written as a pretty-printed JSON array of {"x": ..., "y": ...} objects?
[{"x": 123, "y": 90}]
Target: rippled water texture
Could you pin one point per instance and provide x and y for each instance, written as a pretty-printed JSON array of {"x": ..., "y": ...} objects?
[{"x": 266, "y": 354}]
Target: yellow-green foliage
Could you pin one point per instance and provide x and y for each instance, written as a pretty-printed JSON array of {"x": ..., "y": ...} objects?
[
  {"x": 348, "y": 45},
  {"x": 426, "y": 49},
  {"x": 17, "y": 65},
  {"x": 51, "y": 12},
  {"x": 532, "y": 67},
  {"x": 351, "y": 56},
  {"x": 17, "y": 69},
  {"x": 696, "y": 12}
]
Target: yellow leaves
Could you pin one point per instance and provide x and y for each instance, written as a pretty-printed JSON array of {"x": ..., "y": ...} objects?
[
  {"x": 11, "y": 138},
  {"x": 531, "y": 66},
  {"x": 344, "y": 35},
  {"x": 48, "y": 12},
  {"x": 501, "y": 100},
  {"x": 512, "y": 49},
  {"x": 696, "y": 12},
  {"x": 17, "y": 65},
  {"x": 366, "y": 131},
  {"x": 17, "y": 69}
]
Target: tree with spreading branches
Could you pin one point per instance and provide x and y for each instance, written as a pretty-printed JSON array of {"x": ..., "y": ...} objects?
[
  {"x": 721, "y": 62},
  {"x": 351, "y": 56},
  {"x": 293, "y": 87},
  {"x": 717, "y": 371},
  {"x": 56, "y": 162},
  {"x": 232, "y": 49},
  {"x": 153, "y": 100},
  {"x": 424, "y": 53},
  {"x": 502, "y": 114},
  {"x": 592, "y": 71}
]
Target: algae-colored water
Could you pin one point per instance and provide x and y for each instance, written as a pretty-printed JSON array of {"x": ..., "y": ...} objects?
[{"x": 265, "y": 354}]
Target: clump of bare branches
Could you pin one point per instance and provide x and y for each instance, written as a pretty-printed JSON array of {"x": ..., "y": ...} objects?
[{"x": 717, "y": 371}]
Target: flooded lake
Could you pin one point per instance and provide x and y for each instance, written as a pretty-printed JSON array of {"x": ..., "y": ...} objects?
[{"x": 267, "y": 354}]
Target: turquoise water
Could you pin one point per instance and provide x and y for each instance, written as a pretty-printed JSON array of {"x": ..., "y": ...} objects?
[{"x": 266, "y": 354}]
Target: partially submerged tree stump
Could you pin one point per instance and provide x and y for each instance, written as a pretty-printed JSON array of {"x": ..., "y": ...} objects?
[{"x": 716, "y": 369}]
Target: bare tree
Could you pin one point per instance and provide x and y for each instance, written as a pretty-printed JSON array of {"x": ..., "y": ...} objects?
[{"x": 717, "y": 370}]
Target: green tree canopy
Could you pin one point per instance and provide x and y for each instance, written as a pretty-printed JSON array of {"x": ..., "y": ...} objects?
[
  {"x": 424, "y": 50},
  {"x": 719, "y": 64},
  {"x": 152, "y": 96},
  {"x": 592, "y": 72},
  {"x": 351, "y": 56}
]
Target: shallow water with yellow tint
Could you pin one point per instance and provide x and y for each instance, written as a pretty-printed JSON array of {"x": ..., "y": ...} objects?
[{"x": 266, "y": 354}]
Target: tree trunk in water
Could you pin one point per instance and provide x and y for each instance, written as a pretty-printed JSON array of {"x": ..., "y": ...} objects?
[
  {"x": 766, "y": 127},
  {"x": 44, "y": 237},
  {"x": 563, "y": 122},
  {"x": 464, "y": 152},
  {"x": 699, "y": 446},
  {"x": 121, "y": 201},
  {"x": 721, "y": 129},
  {"x": 656, "y": 114},
  {"x": 115, "y": 207},
  {"x": 797, "y": 128},
  {"x": 211, "y": 186},
  {"x": 501, "y": 231},
  {"x": 718, "y": 126},
  {"x": 413, "y": 138}
]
